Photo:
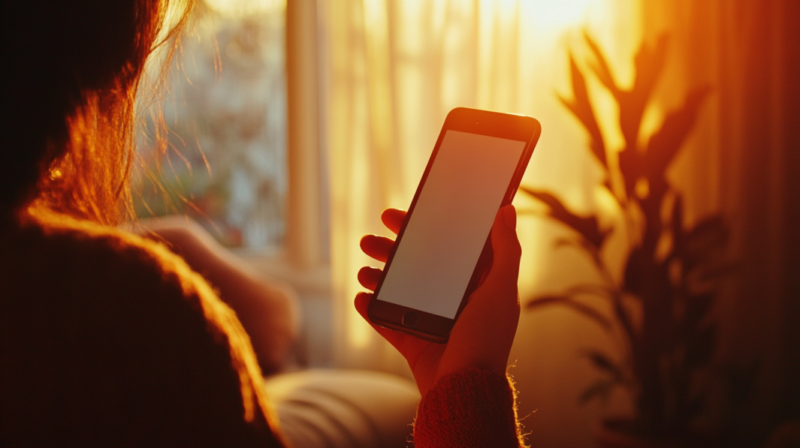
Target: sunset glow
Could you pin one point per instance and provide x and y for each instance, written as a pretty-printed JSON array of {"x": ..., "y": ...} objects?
[
  {"x": 243, "y": 8},
  {"x": 420, "y": 59}
]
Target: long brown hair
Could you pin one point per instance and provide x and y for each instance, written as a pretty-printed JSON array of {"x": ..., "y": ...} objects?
[{"x": 70, "y": 90}]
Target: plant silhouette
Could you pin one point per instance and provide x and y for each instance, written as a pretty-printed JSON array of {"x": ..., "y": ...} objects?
[{"x": 674, "y": 289}]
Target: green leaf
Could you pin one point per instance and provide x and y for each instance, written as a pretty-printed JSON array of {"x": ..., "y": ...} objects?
[
  {"x": 587, "y": 226},
  {"x": 567, "y": 301}
]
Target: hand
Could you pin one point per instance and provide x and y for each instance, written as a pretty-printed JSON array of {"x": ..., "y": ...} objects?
[{"x": 483, "y": 334}]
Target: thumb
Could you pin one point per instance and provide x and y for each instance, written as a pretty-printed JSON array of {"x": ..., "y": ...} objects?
[{"x": 506, "y": 250}]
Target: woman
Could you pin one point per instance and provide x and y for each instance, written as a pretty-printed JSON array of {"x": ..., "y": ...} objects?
[{"x": 111, "y": 339}]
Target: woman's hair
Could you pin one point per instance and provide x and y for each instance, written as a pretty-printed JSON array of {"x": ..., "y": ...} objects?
[{"x": 70, "y": 79}]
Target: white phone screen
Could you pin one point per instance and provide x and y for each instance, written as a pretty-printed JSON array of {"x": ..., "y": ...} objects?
[{"x": 435, "y": 259}]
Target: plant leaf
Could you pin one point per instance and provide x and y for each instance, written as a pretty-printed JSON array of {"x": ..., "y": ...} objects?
[
  {"x": 565, "y": 242},
  {"x": 666, "y": 142},
  {"x": 697, "y": 307},
  {"x": 583, "y": 244},
  {"x": 567, "y": 301},
  {"x": 634, "y": 270},
  {"x": 626, "y": 323},
  {"x": 581, "y": 107},
  {"x": 648, "y": 62},
  {"x": 700, "y": 243},
  {"x": 676, "y": 224},
  {"x": 601, "y": 361},
  {"x": 600, "y": 388},
  {"x": 589, "y": 288},
  {"x": 700, "y": 347},
  {"x": 587, "y": 226},
  {"x": 631, "y": 164},
  {"x": 600, "y": 67},
  {"x": 710, "y": 272}
]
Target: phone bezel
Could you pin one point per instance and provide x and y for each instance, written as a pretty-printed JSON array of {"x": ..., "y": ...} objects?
[{"x": 429, "y": 326}]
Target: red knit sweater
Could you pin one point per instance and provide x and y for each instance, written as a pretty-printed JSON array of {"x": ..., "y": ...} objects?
[{"x": 470, "y": 408}]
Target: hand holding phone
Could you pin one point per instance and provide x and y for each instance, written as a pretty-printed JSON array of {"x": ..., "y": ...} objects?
[
  {"x": 483, "y": 334},
  {"x": 434, "y": 286}
]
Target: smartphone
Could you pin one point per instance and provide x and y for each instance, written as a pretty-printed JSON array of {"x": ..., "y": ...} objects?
[{"x": 443, "y": 247}]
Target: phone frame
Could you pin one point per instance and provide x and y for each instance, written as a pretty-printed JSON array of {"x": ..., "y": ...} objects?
[{"x": 433, "y": 327}]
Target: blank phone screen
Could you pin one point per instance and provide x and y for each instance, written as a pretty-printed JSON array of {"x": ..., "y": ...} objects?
[{"x": 446, "y": 232}]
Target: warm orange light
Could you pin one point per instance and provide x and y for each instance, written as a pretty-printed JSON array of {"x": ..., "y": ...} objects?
[
  {"x": 242, "y": 8},
  {"x": 559, "y": 14},
  {"x": 399, "y": 67}
]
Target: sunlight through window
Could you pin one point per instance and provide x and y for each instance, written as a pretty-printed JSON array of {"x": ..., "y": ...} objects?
[
  {"x": 225, "y": 165},
  {"x": 418, "y": 60}
]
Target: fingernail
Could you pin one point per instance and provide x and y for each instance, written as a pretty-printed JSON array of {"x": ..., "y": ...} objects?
[{"x": 510, "y": 217}]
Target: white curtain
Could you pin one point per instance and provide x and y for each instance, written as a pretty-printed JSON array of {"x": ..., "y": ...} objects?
[{"x": 392, "y": 71}]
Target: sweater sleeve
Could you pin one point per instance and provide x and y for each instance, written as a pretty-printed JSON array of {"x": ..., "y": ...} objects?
[{"x": 470, "y": 408}]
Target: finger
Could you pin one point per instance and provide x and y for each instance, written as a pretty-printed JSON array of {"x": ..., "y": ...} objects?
[
  {"x": 368, "y": 277},
  {"x": 377, "y": 247},
  {"x": 393, "y": 219},
  {"x": 506, "y": 250},
  {"x": 393, "y": 337}
]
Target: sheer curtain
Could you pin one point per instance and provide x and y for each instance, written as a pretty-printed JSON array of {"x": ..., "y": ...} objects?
[
  {"x": 743, "y": 160},
  {"x": 392, "y": 70}
]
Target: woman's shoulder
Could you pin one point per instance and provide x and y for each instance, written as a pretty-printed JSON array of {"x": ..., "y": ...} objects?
[
  {"x": 61, "y": 246},
  {"x": 62, "y": 276},
  {"x": 100, "y": 316},
  {"x": 58, "y": 271},
  {"x": 52, "y": 256}
]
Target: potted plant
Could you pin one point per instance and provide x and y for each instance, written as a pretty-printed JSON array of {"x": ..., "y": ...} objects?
[{"x": 671, "y": 272}]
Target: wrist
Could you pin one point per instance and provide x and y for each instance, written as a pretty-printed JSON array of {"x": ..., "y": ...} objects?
[
  {"x": 470, "y": 407},
  {"x": 478, "y": 366}
]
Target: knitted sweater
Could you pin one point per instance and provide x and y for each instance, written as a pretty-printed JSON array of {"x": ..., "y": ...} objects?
[{"x": 470, "y": 408}]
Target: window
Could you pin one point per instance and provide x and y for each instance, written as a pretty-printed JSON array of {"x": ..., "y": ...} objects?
[{"x": 224, "y": 104}]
